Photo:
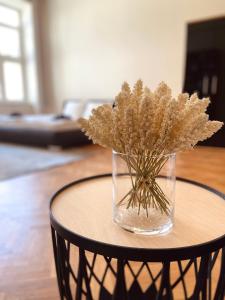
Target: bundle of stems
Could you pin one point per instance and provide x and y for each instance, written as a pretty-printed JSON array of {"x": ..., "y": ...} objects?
[{"x": 145, "y": 191}]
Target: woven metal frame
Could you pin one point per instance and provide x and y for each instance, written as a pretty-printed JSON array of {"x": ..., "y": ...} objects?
[{"x": 78, "y": 285}]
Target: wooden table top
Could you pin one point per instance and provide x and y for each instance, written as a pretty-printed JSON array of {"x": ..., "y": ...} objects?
[{"x": 85, "y": 209}]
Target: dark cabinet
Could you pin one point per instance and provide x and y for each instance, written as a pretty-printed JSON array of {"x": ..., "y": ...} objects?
[{"x": 205, "y": 69}]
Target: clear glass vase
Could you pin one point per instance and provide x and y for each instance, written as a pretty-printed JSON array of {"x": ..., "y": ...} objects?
[{"x": 144, "y": 192}]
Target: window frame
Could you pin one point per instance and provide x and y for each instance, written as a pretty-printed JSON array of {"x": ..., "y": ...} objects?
[{"x": 21, "y": 60}]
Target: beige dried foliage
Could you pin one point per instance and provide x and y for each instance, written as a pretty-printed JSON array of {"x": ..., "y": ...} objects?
[
  {"x": 149, "y": 125},
  {"x": 152, "y": 122}
]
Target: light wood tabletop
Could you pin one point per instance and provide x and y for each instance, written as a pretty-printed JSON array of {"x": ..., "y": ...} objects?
[
  {"x": 85, "y": 209},
  {"x": 27, "y": 268}
]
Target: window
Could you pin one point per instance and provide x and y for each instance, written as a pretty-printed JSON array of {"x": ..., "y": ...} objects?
[
  {"x": 18, "y": 70},
  {"x": 12, "y": 69}
]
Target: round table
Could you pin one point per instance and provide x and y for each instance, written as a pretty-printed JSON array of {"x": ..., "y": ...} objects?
[{"x": 96, "y": 259}]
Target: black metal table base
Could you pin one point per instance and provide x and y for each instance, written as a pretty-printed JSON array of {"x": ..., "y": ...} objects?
[{"x": 170, "y": 278}]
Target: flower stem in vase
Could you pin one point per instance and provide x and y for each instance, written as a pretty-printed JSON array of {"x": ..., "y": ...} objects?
[{"x": 145, "y": 191}]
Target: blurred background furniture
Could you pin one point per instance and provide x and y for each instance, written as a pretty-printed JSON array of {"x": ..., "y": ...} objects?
[{"x": 49, "y": 129}]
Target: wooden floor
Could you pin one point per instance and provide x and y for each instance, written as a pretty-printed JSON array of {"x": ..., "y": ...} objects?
[{"x": 26, "y": 261}]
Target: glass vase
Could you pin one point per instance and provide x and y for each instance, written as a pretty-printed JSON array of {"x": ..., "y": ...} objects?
[{"x": 144, "y": 192}]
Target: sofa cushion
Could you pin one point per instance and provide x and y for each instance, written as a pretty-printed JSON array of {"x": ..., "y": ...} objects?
[
  {"x": 93, "y": 103},
  {"x": 73, "y": 108}
]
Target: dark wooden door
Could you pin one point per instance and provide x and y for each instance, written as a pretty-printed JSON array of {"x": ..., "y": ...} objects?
[{"x": 205, "y": 69}]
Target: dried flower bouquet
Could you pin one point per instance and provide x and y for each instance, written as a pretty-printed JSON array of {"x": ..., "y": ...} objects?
[{"x": 146, "y": 126}]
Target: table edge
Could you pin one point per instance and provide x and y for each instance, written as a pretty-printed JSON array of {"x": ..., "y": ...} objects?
[{"x": 131, "y": 253}]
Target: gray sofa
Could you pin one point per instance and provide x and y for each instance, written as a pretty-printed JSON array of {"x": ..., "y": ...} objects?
[{"x": 49, "y": 130}]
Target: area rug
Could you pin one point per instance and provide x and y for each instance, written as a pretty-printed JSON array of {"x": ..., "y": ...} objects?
[{"x": 19, "y": 160}]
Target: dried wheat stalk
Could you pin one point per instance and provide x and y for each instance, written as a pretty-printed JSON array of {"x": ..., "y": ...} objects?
[{"x": 146, "y": 126}]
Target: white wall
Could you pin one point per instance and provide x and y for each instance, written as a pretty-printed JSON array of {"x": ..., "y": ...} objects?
[{"x": 91, "y": 46}]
